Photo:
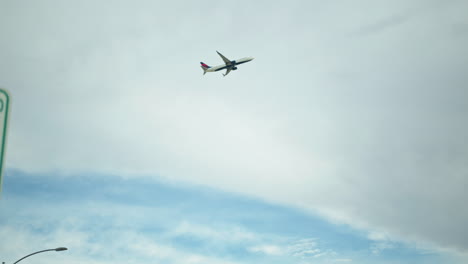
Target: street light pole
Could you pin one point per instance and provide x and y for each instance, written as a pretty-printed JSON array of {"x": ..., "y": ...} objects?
[{"x": 53, "y": 249}]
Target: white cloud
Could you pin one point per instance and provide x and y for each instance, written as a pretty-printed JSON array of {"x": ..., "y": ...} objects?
[
  {"x": 300, "y": 249},
  {"x": 378, "y": 236},
  {"x": 378, "y": 247},
  {"x": 304, "y": 248},
  {"x": 267, "y": 249}
]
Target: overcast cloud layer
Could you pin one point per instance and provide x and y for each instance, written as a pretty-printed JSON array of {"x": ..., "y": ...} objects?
[{"x": 356, "y": 111}]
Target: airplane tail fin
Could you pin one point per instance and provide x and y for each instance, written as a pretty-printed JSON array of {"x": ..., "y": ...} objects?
[{"x": 205, "y": 67}]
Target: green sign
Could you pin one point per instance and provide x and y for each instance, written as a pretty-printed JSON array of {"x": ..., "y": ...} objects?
[{"x": 4, "y": 107}]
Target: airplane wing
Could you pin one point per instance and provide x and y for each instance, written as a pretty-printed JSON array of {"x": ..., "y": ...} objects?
[
  {"x": 228, "y": 70},
  {"x": 226, "y": 60}
]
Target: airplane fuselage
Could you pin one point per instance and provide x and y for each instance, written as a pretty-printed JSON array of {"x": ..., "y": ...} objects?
[{"x": 232, "y": 65}]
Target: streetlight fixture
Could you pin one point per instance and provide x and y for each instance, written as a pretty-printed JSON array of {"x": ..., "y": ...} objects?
[{"x": 53, "y": 249}]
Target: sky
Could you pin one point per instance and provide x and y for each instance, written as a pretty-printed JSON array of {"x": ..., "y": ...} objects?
[{"x": 343, "y": 141}]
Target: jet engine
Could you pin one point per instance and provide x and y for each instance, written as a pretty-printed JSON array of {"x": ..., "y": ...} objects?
[{"x": 234, "y": 68}]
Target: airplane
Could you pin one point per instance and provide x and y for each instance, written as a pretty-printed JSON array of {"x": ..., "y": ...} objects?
[{"x": 230, "y": 65}]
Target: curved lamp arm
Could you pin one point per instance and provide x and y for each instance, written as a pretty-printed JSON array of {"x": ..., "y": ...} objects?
[{"x": 54, "y": 249}]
